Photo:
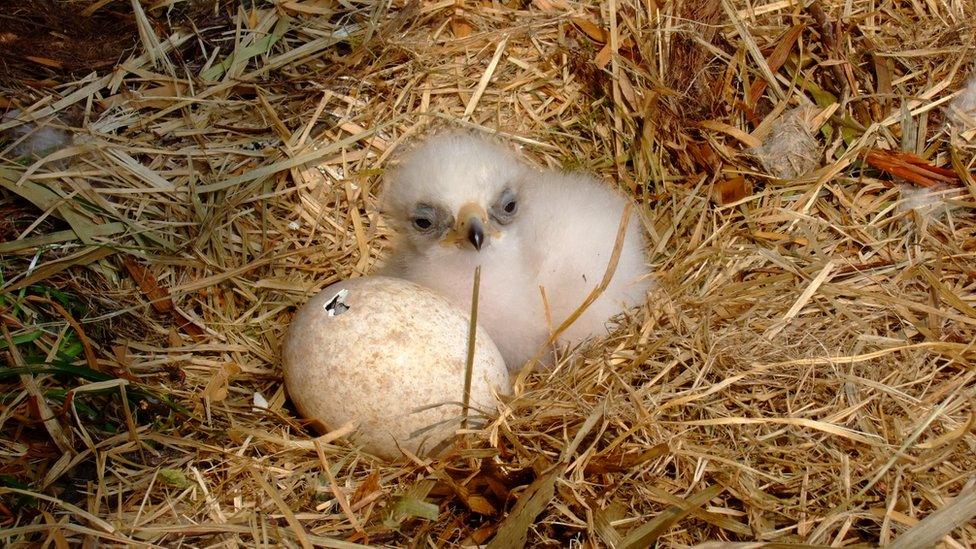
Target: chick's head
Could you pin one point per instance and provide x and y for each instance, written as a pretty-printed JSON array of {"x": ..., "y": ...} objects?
[{"x": 456, "y": 193}]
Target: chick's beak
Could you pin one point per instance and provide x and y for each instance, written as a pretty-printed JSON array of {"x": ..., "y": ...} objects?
[
  {"x": 476, "y": 233},
  {"x": 470, "y": 226}
]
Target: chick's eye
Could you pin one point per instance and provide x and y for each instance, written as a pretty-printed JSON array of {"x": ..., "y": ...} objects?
[
  {"x": 423, "y": 223},
  {"x": 505, "y": 207}
]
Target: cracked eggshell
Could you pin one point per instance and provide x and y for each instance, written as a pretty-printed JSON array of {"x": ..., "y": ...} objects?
[{"x": 374, "y": 350}]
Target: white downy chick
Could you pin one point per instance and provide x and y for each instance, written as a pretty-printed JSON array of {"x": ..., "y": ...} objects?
[{"x": 459, "y": 201}]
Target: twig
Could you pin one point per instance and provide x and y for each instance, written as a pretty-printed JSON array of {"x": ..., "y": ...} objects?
[{"x": 472, "y": 332}]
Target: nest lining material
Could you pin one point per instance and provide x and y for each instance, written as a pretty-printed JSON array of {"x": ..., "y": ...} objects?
[{"x": 803, "y": 372}]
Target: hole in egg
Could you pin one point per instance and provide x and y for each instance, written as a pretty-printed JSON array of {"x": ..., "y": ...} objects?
[{"x": 335, "y": 306}]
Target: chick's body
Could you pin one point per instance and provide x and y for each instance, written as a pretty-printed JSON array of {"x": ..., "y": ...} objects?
[{"x": 449, "y": 204}]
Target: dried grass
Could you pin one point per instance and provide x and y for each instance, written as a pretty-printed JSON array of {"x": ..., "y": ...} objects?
[{"x": 803, "y": 373}]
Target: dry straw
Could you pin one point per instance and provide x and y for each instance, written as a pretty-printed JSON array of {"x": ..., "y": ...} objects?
[{"x": 803, "y": 372}]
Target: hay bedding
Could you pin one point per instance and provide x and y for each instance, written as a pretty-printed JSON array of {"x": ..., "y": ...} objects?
[{"x": 803, "y": 373}]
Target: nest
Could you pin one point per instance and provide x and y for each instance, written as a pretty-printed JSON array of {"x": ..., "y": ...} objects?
[{"x": 802, "y": 373}]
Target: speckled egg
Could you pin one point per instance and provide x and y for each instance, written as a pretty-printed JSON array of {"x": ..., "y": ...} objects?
[{"x": 389, "y": 355}]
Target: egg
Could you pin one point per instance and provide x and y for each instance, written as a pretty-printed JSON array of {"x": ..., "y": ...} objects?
[{"x": 390, "y": 356}]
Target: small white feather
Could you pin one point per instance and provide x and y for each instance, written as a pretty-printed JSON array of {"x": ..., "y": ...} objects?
[
  {"x": 260, "y": 403},
  {"x": 34, "y": 141},
  {"x": 962, "y": 109},
  {"x": 930, "y": 203}
]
